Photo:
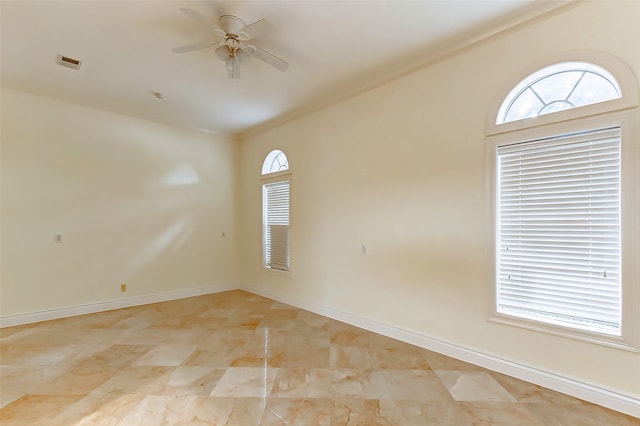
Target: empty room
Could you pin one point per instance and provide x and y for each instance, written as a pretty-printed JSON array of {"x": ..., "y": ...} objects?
[{"x": 324, "y": 212}]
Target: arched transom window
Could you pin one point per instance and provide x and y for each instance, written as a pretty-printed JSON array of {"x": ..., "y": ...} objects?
[
  {"x": 556, "y": 88},
  {"x": 276, "y": 161}
]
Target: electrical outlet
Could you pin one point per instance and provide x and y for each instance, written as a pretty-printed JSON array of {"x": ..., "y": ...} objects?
[
  {"x": 123, "y": 288},
  {"x": 57, "y": 238}
]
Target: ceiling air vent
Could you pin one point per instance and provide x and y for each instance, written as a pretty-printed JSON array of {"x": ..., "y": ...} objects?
[{"x": 68, "y": 62}]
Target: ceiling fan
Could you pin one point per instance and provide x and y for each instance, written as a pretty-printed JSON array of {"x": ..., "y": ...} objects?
[{"x": 232, "y": 37}]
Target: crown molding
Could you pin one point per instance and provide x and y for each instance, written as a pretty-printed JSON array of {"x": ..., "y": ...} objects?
[{"x": 529, "y": 15}]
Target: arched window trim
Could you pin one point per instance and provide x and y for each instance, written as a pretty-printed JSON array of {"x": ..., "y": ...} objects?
[{"x": 621, "y": 71}]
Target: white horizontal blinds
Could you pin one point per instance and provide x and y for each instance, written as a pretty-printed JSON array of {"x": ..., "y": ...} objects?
[
  {"x": 279, "y": 235},
  {"x": 559, "y": 230},
  {"x": 276, "y": 225}
]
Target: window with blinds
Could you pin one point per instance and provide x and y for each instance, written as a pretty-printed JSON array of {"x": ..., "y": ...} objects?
[
  {"x": 558, "y": 230},
  {"x": 276, "y": 225}
]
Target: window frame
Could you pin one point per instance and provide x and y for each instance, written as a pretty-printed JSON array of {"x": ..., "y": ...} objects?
[
  {"x": 266, "y": 179},
  {"x": 630, "y": 291},
  {"x": 622, "y": 112}
]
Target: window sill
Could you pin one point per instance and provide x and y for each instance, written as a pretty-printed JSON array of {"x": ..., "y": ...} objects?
[
  {"x": 277, "y": 272},
  {"x": 571, "y": 333}
]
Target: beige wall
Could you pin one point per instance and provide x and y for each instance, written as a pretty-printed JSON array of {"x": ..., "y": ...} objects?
[
  {"x": 136, "y": 202},
  {"x": 401, "y": 168}
]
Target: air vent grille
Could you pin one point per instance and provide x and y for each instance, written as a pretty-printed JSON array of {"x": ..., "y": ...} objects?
[{"x": 68, "y": 62}]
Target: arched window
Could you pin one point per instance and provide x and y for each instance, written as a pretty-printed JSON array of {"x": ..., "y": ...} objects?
[
  {"x": 556, "y": 88},
  {"x": 276, "y": 161},
  {"x": 561, "y": 219},
  {"x": 275, "y": 211}
]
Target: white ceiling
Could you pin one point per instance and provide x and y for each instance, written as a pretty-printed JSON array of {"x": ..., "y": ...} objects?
[{"x": 333, "y": 47}]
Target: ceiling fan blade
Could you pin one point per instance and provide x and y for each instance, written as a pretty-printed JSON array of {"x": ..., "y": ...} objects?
[
  {"x": 195, "y": 46},
  {"x": 269, "y": 58},
  {"x": 204, "y": 21},
  {"x": 256, "y": 29}
]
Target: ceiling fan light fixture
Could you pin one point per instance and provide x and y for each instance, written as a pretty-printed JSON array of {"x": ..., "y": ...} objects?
[
  {"x": 243, "y": 56},
  {"x": 222, "y": 52},
  {"x": 233, "y": 69}
]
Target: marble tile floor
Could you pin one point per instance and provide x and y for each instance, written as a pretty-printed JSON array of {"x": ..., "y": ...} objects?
[{"x": 235, "y": 358}]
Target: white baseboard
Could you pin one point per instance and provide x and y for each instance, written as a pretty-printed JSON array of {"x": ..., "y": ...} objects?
[
  {"x": 628, "y": 404},
  {"x": 91, "y": 308}
]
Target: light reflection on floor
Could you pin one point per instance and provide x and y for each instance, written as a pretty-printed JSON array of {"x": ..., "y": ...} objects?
[{"x": 235, "y": 358}]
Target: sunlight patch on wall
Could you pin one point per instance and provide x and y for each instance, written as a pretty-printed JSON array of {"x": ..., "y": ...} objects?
[
  {"x": 184, "y": 174},
  {"x": 173, "y": 236}
]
